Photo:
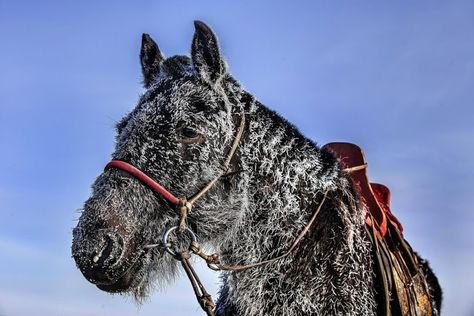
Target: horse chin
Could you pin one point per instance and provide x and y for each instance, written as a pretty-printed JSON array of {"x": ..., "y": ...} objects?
[
  {"x": 129, "y": 281},
  {"x": 151, "y": 270}
]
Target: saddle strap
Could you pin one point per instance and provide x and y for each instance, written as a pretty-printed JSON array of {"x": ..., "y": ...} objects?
[
  {"x": 381, "y": 273},
  {"x": 404, "y": 291}
]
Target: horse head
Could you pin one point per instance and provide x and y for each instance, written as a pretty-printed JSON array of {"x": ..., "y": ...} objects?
[{"x": 179, "y": 134}]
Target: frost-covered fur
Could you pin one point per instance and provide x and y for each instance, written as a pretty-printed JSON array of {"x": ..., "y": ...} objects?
[
  {"x": 179, "y": 134},
  {"x": 330, "y": 273}
]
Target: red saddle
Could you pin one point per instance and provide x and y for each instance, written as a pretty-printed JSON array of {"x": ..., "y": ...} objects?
[
  {"x": 375, "y": 196},
  {"x": 382, "y": 194},
  {"x": 403, "y": 289}
]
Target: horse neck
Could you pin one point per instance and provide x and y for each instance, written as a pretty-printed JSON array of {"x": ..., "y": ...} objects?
[{"x": 285, "y": 176}]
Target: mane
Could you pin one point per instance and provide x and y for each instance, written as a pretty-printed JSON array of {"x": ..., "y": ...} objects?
[{"x": 289, "y": 174}]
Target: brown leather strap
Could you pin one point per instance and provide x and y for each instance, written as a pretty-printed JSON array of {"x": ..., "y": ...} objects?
[
  {"x": 355, "y": 168},
  {"x": 225, "y": 166},
  {"x": 384, "y": 308},
  {"x": 188, "y": 203},
  {"x": 213, "y": 261},
  {"x": 202, "y": 296}
]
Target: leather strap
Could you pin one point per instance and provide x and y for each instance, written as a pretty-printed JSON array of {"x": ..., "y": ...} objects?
[{"x": 213, "y": 261}]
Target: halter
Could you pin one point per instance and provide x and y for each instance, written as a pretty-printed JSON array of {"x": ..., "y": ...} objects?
[{"x": 184, "y": 206}]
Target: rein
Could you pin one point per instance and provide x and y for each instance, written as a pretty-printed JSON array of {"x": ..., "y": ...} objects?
[{"x": 184, "y": 206}]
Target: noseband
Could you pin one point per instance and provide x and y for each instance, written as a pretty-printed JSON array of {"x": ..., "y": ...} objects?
[{"x": 184, "y": 205}]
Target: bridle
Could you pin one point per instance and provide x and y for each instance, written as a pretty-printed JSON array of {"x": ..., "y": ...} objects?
[{"x": 184, "y": 205}]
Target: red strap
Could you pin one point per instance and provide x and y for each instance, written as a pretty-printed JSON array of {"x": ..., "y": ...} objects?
[{"x": 122, "y": 165}]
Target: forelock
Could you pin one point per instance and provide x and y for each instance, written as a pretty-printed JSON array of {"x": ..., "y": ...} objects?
[{"x": 177, "y": 67}]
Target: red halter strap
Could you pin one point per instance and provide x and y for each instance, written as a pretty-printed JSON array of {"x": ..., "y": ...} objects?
[
  {"x": 184, "y": 203},
  {"x": 122, "y": 165}
]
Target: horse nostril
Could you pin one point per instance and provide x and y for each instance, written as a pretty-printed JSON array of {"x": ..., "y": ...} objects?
[
  {"x": 104, "y": 252},
  {"x": 109, "y": 251}
]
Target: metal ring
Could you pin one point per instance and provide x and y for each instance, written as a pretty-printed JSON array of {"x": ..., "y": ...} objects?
[{"x": 168, "y": 245}]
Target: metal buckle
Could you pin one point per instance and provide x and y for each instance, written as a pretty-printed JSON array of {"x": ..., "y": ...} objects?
[{"x": 168, "y": 245}]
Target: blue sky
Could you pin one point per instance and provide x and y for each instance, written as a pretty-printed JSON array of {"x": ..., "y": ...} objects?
[{"x": 396, "y": 78}]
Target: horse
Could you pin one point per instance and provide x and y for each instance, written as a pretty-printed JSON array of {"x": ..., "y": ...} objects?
[{"x": 269, "y": 200}]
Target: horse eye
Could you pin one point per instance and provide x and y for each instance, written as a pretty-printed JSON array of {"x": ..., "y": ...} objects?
[{"x": 189, "y": 132}]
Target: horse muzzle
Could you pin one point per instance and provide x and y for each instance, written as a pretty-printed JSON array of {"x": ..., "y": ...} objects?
[{"x": 100, "y": 256}]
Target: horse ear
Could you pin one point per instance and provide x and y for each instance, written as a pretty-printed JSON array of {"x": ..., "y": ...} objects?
[
  {"x": 150, "y": 58},
  {"x": 205, "y": 53}
]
